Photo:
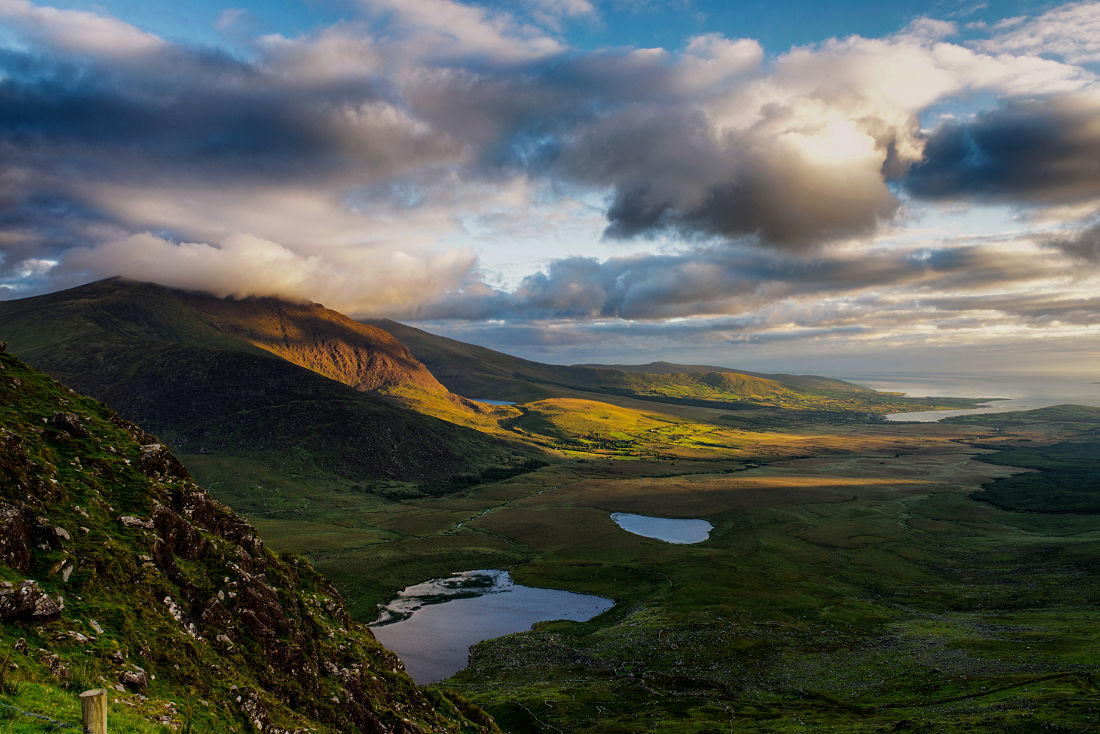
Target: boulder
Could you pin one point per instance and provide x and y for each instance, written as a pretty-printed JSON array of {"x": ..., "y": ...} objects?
[
  {"x": 15, "y": 538},
  {"x": 69, "y": 423},
  {"x": 158, "y": 462},
  {"x": 27, "y": 601},
  {"x": 57, "y": 668},
  {"x": 134, "y": 678}
]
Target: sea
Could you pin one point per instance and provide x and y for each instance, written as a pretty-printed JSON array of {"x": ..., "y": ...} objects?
[{"x": 1015, "y": 391}]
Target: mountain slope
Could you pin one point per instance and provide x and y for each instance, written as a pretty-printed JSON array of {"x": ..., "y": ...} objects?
[
  {"x": 306, "y": 334},
  {"x": 477, "y": 372},
  {"x": 212, "y": 377},
  {"x": 803, "y": 382},
  {"x": 147, "y": 586}
]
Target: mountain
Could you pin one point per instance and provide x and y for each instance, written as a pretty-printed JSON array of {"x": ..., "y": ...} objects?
[
  {"x": 478, "y": 372},
  {"x": 306, "y": 334},
  {"x": 145, "y": 585},
  {"x": 798, "y": 382},
  {"x": 279, "y": 389}
]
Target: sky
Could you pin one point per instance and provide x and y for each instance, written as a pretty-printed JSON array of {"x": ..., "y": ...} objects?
[{"x": 835, "y": 188}]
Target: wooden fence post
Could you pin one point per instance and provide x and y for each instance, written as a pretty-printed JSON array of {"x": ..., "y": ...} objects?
[{"x": 93, "y": 708}]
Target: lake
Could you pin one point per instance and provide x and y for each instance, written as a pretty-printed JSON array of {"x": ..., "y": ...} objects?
[
  {"x": 668, "y": 529},
  {"x": 1019, "y": 391},
  {"x": 431, "y": 626},
  {"x": 487, "y": 401}
]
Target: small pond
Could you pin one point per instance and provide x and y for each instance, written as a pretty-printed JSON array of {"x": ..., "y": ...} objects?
[
  {"x": 668, "y": 529},
  {"x": 431, "y": 626}
]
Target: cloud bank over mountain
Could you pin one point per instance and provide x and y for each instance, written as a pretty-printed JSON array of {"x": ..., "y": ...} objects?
[{"x": 341, "y": 165}]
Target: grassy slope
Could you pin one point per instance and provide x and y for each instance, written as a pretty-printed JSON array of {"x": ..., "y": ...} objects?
[
  {"x": 294, "y": 653},
  {"x": 212, "y": 377},
  {"x": 477, "y": 372}
]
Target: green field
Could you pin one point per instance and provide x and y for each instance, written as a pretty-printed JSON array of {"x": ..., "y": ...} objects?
[{"x": 860, "y": 588}]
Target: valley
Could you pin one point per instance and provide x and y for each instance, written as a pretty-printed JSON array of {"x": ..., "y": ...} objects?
[
  {"x": 842, "y": 592},
  {"x": 860, "y": 575}
]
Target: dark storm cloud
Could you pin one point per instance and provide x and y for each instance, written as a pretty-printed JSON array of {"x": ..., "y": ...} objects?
[
  {"x": 224, "y": 119},
  {"x": 1044, "y": 151},
  {"x": 667, "y": 170}
]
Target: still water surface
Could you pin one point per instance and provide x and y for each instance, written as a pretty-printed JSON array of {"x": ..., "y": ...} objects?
[
  {"x": 431, "y": 626},
  {"x": 668, "y": 529},
  {"x": 1018, "y": 391}
]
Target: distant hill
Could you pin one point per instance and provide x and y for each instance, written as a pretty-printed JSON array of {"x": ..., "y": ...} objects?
[
  {"x": 146, "y": 586},
  {"x": 801, "y": 382},
  {"x": 478, "y": 372},
  {"x": 274, "y": 385}
]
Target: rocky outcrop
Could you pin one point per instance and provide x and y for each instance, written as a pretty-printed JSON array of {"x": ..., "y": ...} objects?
[
  {"x": 15, "y": 538},
  {"x": 27, "y": 601},
  {"x": 69, "y": 423},
  {"x": 180, "y": 537},
  {"x": 158, "y": 462}
]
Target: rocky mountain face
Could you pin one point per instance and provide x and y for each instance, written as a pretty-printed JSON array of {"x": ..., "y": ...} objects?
[{"x": 144, "y": 585}]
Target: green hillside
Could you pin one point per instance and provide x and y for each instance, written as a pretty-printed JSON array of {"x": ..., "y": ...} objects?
[
  {"x": 146, "y": 586},
  {"x": 477, "y": 372}
]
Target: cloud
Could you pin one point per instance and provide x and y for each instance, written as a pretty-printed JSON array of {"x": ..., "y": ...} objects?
[
  {"x": 1071, "y": 31},
  {"x": 230, "y": 18},
  {"x": 1040, "y": 151},
  {"x": 1083, "y": 245},
  {"x": 77, "y": 31},
  {"x": 444, "y": 30},
  {"x": 552, "y": 14},
  {"x": 740, "y": 281},
  {"x": 243, "y": 265}
]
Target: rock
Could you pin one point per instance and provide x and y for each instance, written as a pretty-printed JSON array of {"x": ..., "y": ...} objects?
[
  {"x": 179, "y": 535},
  {"x": 157, "y": 461},
  {"x": 20, "y": 645},
  {"x": 15, "y": 538},
  {"x": 253, "y": 707},
  {"x": 27, "y": 601},
  {"x": 62, "y": 533},
  {"x": 96, "y": 626},
  {"x": 57, "y": 668},
  {"x": 135, "y": 522},
  {"x": 215, "y": 615},
  {"x": 166, "y": 561},
  {"x": 135, "y": 678},
  {"x": 69, "y": 423},
  {"x": 181, "y": 617}
]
